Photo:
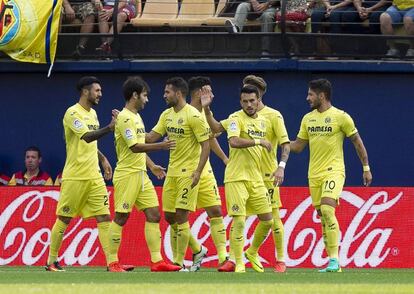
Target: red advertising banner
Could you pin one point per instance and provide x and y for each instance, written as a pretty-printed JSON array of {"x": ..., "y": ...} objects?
[{"x": 375, "y": 223}]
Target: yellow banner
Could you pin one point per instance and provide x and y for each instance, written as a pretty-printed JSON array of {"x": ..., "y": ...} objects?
[{"x": 29, "y": 29}]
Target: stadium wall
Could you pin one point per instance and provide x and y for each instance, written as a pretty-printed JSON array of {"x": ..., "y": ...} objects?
[{"x": 379, "y": 98}]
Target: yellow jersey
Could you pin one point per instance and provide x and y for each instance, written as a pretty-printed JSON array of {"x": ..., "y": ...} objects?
[
  {"x": 207, "y": 168},
  {"x": 276, "y": 134},
  {"x": 81, "y": 157},
  {"x": 129, "y": 130},
  {"x": 326, "y": 132},
  {"x": 245, "y": 163},
  {"x": 188, "y": 128},
  {"x": 403, "y": 4}
]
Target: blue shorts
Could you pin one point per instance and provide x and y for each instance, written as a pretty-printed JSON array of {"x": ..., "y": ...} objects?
[{"x": 397, "y": 15}]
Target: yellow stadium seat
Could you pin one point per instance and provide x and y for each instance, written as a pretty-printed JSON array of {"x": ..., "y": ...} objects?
[
  {"x": 157, "y": 13},
  {"x": 193, "y": 13}
]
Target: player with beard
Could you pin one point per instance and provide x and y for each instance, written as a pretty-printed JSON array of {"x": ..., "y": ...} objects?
[
  {"x": 324, "y": 129},
  {"x": 182, "y": 123},
  {"x": 245, "y": 191},
  {"x": 83, "y": 192}
]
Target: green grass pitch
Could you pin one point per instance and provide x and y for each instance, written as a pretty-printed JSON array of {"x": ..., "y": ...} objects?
[{"x": 91, "y": 280}]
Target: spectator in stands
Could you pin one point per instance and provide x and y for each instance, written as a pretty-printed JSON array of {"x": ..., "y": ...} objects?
[
  {"x": 330, "y": 12},
  {"x": 297, "y": 13},
  {"x": 263, "y": 10},
  {"x": 401, "y": 11},
  {"x": 80, "y": 12},
  {"x": 127, "y": 10},
  {"x": 364, "y": 10},
  {"x": 4, "y": 180},
  {"x": 32, "y": 175}
]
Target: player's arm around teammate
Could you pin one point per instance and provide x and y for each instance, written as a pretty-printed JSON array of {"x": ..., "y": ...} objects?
[
  {"x": 83, "y": 190},
  {"x": 132, "y": 186},
  {"x": 273, "y": 172},
  {"x": 245, "y": 190}
]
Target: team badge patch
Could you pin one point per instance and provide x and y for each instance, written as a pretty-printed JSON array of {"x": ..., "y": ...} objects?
[
  {"x": 77, "y": 124},
  {"x": 125, "y": 206},
  {"x": 235, "y": 208},
  {"x": 233, "y": 126},
  {"x": 66, "y": 209},
  {"x": 327, "y": 120},
  {"x": 128, "y": 134},
  {"x": 180, "y": 121}
]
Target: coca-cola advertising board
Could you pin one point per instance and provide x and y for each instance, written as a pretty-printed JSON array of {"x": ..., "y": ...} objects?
[{"x": 376, "y": 230}]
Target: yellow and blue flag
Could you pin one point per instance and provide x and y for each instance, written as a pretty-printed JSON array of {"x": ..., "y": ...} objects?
[{"x": 29, "y": 29}]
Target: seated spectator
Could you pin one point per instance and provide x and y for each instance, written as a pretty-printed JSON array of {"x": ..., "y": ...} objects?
[
  {"x": 32, "y": 175},
  {"x": 253, "y": 9},
  {"x": 4, "y": 180},
  {"x": 80, "y": 12},
  {"x": 401, "y": 11},
  {"x": 297, "y": 13},
  {"x": 263, "y": 10},
  {"x": 127, "y": 10},
  {"x": 361, "y": 11},
  {"x": 330, "y": 12},
  {"x": 58, "y": 180}
]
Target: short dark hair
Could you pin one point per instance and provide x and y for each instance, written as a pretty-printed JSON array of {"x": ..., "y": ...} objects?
[
  {"x": 134, "y": 84},
  {"x": 196, "y": 83},
  {"x": 33, "y": 148},
  {"x": 86, "y": 82},
  {"x": 179, "y": 84},
  {"x": 321, "y": 86},
  {"x": 248, "y": 89}
]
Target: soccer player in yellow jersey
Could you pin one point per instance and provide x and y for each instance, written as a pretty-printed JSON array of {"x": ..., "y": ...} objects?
[
  {"x": 132, "y": 185},
  {"x": 184, "y": 124},
  {"x": 208, "y": 195},
  {"x": 324, "y": 129},
  {"x": 83, "y": 192},
  {"x": 246, "y": 193},
  {"x": 272, "y": 172}
]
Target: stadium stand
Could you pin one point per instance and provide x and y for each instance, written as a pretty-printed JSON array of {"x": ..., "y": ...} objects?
[{"x": 157, "y": 13}]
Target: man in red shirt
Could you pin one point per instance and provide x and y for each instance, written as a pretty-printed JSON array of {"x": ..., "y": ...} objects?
[{"x": 32, "y": 175}]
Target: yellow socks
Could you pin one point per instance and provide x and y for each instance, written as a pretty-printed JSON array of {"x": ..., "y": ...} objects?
[
  {"x": 331, "y": 230},
  {"x": 260, "y": 235},
  {"x": 173, "y": 240},
  {"x": 153, "y": 238},
  {"x": 115, "y": 236},
  {"x": 218, "y": 233},
  {"x": 237, "y": 238},
  {"x": 56, "y": 238},
  {"x": 325, "y": 240},
  {"x": 103, "y": 234},
  {"x": 183, "y": 236},
  {"x": 278, "y": 234},
  {"x": 193, "y": 244}
]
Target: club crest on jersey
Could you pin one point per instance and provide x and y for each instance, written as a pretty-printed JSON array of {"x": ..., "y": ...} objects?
[
  {"x": 9, "y": 21},
  {"x": 327, "y": 120},
  {"x": 128, "y": 134},
  {"x": 262, "y": 125},
  {"x": 233, "y": 126},
  {"x": 235, "y": 208},
  {"x": 180, "y": 121},
  {"x": 77, "y": 124},
  {"x": 66, "y": 209}
]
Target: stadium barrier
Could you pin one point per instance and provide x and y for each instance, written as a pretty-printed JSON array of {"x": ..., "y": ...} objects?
[{"x": 375, "y": 230}]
